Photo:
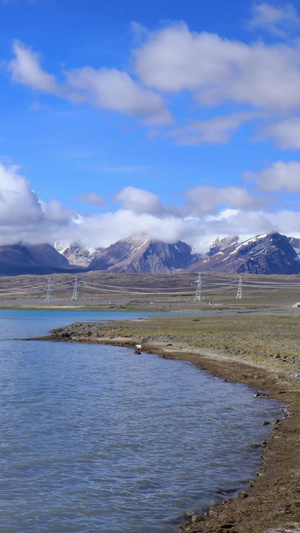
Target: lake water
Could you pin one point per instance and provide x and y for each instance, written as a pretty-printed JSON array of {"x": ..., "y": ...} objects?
[{"x": 98, "y": 439}]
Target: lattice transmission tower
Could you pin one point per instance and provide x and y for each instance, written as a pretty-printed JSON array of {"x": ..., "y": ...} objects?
[
  {"x": 239, "y": 294},
  {"x": 75, "y": 291},
  {"x": 48, "y": 294},
  {"x": 198, "y": 295}
]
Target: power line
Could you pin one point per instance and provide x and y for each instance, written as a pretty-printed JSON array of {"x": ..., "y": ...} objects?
[
  {"x": 198, "y": 295},
  {"x": 239, "y": 294},
  {"x": 65, "y": 286},
  {"x": 48, "y": 295},
  {"x": 75, "y": 291}
]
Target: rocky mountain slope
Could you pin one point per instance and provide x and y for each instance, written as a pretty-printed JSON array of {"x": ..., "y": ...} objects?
[
  {"x": 263, "y": 254},
  {"x": 77, "y": 255},
  {"x": 138, "y": 254},
  {"x": 221, "y": 244},
  {"x": 295, "y": 243},
  {"x": 31, "y": 259}
]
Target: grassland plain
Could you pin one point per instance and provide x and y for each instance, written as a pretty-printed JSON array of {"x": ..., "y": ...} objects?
[{"x": 150, "y": 292}]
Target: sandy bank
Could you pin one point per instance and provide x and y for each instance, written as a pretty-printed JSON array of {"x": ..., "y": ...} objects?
[{"x": 271, "y": 502}]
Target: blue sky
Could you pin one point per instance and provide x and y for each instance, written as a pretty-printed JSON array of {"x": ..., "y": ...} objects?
[{"x": 179, "y": 120}]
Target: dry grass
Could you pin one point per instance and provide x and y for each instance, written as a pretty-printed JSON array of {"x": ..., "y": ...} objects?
[{"x": 270, "y": 341}]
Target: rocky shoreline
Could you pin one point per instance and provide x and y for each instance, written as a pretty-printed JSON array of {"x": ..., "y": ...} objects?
[{"x": 271, "y": 502}]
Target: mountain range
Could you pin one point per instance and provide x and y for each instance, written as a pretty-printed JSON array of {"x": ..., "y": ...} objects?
[
  {"x": 31, "y": 259},
  {"x": 136, "y": 254},
  {"x": 262, "y": 254},
  {"x": 78, "y": 255}
]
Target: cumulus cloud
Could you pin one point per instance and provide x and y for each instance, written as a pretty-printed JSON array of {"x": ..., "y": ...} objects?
[
  {"x": 54, "y": 211},
  {"x": 25, "y": 69},
  {"x": 140, "y": 201},
  {"x": 260, "y": 79},
  {"x": 18, "y": 202},
  {"x": 92, "y": 199},
  {"x": 286, "y": 133},
  {"x": 110, "y": 89},
  {"x": 278, "y": 21},
  {"x": 281, "y": 176},
  {"x": 210, "y": 212},
  {"x": 217, "y": 70},
  {"x": 199, "y": 231},
  {"x": 115, "y": 90},
  {"x": 217, "y": 130},
  {"x": 239, "y": 222},
  {"x": 286, "y": 222},
  {"x": 25, "y": 217},
  {"x": 107, "y": 228},
  {"x": 206, "y": 199}
]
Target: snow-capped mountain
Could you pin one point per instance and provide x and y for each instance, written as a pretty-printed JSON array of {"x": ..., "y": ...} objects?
[
  {"x": 137, "y": 254},
  {"x": 221, "y": 244},
  {"x": 263, "y": 254},
  {"x": 77, "y": 255},
  {"x": 295, "y": 243}
]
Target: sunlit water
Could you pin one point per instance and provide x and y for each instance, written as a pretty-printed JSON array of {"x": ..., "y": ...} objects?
[{"x": 98, "y": 439}]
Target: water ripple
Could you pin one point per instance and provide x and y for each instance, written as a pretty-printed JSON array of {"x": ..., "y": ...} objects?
[{"x": 98, "y": 439}]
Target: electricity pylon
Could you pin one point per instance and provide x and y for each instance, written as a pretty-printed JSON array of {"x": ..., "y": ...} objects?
[
  {"x": 198, "y": 295},
  {"x": 75, "y": 291},
  {"x": 239, "y": 294},
  {"x": 48, "y": 295}
]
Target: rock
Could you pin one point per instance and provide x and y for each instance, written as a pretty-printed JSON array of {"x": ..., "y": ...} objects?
[{"x": 258, "y": 394}]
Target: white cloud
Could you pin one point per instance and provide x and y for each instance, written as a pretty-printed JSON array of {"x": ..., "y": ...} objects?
[
  {"x": 199, "y": 231},
  {"x": 139, "y": 32},
  {"x": 140, "y": 201},
  {"x": 106, "y": 228},
  {"x": 91, "y": 199},
  {"x": 206, "y": 199},
  {"x": 54, "y": 211},
  {"x": 110, "y": 89},
  {"x": 286, "y": 133},
  {"x": 263, "y": 78},
  {"x": 277, "y": 21},
  {"x": 217, "y": 70},
  {"x": 23, "y": 216},
  {"x": 18, "y": 202},
  {"x": 286, "y": 222},
  {"x": 115, "y": 90},
  {"x": 25, "y": 69},
  {"x": 210, "y": 212},
  {"x": 281, "y": 176},
  {"x": 239, "y": 222},
  {"x": 217, "y": 130}
]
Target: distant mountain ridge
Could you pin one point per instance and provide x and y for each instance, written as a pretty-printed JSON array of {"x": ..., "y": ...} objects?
[
  {"x": 77, "y": 255},
  {"x": 262, "y": 254},
  {"x": 221, "y": 244},
  {"x": 19, "y": 259},
  {"x": 137, "y": 254}
]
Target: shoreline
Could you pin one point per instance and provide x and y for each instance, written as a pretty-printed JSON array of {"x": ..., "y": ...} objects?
[{"x": 271, "y": 502}]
